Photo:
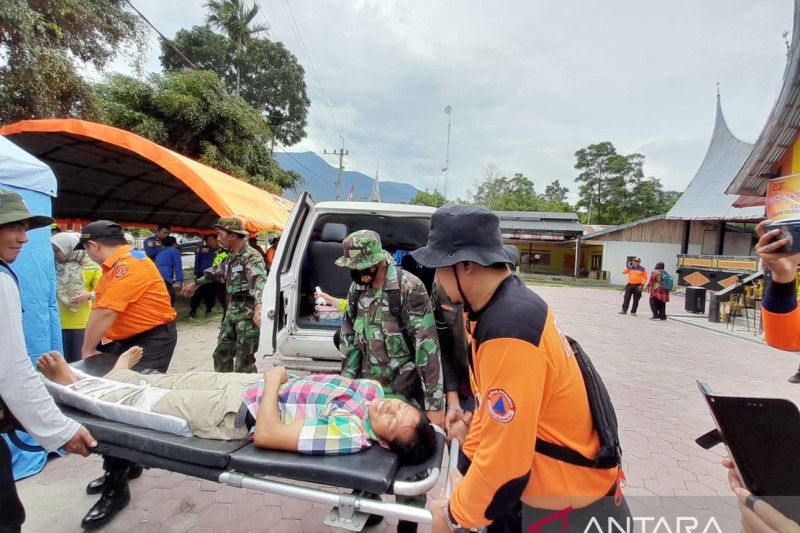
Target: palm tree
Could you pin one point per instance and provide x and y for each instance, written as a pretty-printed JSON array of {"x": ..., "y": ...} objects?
[{"x": 235, "y": 19}]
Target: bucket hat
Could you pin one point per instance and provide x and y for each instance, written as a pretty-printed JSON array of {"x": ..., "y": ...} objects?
[
  {"x": 13, "y": 209},
  {"x": 462, "y": 233}
]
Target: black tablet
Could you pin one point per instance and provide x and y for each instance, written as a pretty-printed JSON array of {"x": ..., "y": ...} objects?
[{"x": 763, "y": 438}]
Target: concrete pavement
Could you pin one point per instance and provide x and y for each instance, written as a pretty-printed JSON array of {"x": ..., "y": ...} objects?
[{"x": 650, "y": 368}]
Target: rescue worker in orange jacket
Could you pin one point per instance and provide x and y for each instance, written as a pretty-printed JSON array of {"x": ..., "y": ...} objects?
[
  {"x": 637, "y": 279},
  {"x": 527, "y": 384},
  {"x": 779, "y": 308}
]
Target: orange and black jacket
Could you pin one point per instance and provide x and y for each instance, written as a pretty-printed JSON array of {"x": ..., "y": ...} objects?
[
  {"x": 527, "y": 383},
  {"x": 781, "y": 316}
]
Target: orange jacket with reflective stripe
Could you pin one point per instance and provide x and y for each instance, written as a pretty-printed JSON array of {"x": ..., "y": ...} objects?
[
  {"x": 636, "y": 276},
  {"x": 528, "y": 384}
]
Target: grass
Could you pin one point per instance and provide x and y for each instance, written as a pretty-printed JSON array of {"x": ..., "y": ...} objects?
[
  {"x": 546, "y": 280},
  {"x": 182, "y": 308}
]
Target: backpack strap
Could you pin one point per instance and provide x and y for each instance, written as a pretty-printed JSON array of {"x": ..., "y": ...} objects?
[{"x": 396, "y": 309}]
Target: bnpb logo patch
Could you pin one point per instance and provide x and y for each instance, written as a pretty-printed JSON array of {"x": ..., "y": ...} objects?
[
  {"x": 500, "y": 406},
  {"x": 121, "y": 271}
]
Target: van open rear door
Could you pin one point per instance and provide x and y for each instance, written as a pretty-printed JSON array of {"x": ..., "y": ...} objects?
[{"x": 281, "y": 290}]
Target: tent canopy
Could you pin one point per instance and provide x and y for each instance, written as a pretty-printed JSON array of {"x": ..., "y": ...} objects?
[
  {"x": 22, "y": 170},
  {"x": 109, "y": 173}
]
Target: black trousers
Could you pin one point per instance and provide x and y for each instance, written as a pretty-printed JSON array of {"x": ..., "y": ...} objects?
[
  {"x": 158, "y": 345},
  {"x": 575, "y": 521},
  {"x": 636, "y": 293},
  {"x": 658, "y": 308},
  {"x": 207, "y": 294},
  {"x": 12, "y": 514}
]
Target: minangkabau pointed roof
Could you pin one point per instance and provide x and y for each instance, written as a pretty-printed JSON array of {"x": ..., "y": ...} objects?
[{"x": 705, "y": 198}]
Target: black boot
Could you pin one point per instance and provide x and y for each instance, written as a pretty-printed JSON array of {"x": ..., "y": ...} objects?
[
  {"x": 795, "y": 378},
  {"x": 96, "y": 485},
  {"x": 116, "y": 496}
]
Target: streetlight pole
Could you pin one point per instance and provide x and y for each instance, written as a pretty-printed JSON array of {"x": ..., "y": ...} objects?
[{"x": 449, "y": 111}]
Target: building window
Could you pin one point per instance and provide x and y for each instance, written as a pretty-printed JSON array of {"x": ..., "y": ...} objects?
[
  {"x": 540, "y": 258},
  {"x": 597, "y": 261}
]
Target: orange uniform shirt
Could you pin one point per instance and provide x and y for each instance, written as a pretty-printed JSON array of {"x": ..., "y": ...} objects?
[
  {"x": 528, "y": 384},
  {"x": 781, "y": 316},
  {"x": 132, "y": 286},
  {"x": 636, "y": 276},
  {"x": 270, "y": 255}
]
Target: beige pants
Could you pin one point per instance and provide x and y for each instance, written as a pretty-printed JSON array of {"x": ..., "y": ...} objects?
[{"x": 208, "y": 401}]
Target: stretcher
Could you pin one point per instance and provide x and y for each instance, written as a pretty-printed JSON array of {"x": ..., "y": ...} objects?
[{"x": 347, "y": 478}]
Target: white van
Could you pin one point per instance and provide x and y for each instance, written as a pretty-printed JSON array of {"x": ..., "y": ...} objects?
[{"x": 309, "y": 245}]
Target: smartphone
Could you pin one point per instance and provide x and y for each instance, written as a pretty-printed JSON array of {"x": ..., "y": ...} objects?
[
  {"x": 763, "y": 438},
  {"x": 789, "y": 230}
]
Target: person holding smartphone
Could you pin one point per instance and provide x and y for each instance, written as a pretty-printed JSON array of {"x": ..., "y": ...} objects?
[{"x": 779, "y": 308}]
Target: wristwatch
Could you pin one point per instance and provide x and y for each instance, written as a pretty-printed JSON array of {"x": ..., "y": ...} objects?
[{"x": 451, "y": 523}]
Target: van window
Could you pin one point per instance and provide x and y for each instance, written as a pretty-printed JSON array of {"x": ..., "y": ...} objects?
[{"x": 399, "y": 235}]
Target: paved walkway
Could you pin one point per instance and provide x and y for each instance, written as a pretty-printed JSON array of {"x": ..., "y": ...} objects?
[{"x": 650, "y": 368}]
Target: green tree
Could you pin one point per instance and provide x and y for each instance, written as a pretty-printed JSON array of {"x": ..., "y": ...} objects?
[
  {"x": 41, "y": 42},
  {"x": 235, "y": 19},
  {"x": 426, "y": 197},
  {"x": 506, "y": 194},
  {"x": 189, "y": 112},
  {"x": 555, "y": 198},
  {"x": 614, "y": 189},
  {"x": 271, "y": 79}
]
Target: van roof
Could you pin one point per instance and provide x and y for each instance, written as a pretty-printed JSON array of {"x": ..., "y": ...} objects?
[{"x": 374, "y": 207}]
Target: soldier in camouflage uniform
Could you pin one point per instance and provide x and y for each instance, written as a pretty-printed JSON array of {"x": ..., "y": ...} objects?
[
  {"x": 244, "y": 275},
  {"x": 372, "y": 340}
]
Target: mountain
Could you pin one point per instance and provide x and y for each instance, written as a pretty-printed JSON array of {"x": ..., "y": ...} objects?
[{"x": 320, "y": 177}]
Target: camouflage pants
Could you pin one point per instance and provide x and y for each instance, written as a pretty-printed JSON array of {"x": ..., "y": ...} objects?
[{"x": 237, "y": 343}]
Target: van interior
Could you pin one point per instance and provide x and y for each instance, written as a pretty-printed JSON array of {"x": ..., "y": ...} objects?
[{"x": 399, "y": 235}]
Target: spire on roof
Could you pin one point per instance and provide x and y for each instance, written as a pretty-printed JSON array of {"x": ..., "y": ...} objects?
[{"x": 376, "y": 189}]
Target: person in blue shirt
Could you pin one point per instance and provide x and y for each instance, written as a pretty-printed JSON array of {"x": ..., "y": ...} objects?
[
  {"x": 168, "y": 262},
  {"x": 203, "y": 260},
  {"x": 153, "y": 245}
]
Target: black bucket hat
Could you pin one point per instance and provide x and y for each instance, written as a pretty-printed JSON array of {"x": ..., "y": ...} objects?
[{"x": 462, "y": 233}]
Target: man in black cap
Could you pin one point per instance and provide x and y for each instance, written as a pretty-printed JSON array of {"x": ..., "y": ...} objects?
[
  {"x": 24, "y": 402},
  {"x": 132, "y": 308},
  {"x": 527, "y": 385}
]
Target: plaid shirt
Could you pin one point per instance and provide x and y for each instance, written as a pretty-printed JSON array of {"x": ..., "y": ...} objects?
[{"x": 333, "y": 409}]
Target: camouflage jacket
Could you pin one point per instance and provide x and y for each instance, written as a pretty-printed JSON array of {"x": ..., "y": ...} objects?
[
  {"x": 243, "y": 273},
  {"x": 374, "y": 346},
  {"x": 452, "y": 341}
]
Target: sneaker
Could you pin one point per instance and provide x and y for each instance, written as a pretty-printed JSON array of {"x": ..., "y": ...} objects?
[
  {"x": 795, "y": 378},
  {"x": 622, "y": 313}
]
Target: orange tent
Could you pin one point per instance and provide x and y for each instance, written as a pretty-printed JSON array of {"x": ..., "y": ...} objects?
[{"x": 109, "y": 173}]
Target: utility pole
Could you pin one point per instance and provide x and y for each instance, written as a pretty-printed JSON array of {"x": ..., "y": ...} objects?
[
  {"x": 449, "y": 111},
  {"x": 341, "y": 153}
]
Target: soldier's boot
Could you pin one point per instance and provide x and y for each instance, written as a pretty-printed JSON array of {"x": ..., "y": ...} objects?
[
  {"x": 115, "y": 497},
  {"x": 96, "y": 485}
]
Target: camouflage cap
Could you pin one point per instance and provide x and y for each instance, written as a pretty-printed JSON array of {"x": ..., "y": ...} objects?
[
  {"x": 362, "y": 249},
  {"x": 233, "y": 224}
]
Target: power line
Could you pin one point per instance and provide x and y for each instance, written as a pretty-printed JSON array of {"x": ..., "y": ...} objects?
[{"x": 296, "y": 28}]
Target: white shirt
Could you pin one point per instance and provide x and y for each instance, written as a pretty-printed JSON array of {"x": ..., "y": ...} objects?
[{"x": 20, "y": 384}]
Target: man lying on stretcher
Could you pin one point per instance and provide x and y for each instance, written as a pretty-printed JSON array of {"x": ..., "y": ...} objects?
[{"x": 318, "y": 414}]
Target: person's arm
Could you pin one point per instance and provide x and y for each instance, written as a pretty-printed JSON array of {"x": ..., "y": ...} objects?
[
  {"x": 271, "y": 433},
  {"x": 256, "y": 275},
  {"x": 100, "y": 321},
  {"x": 178, "y": 265},
  {"x": 428, "y": 356},
  {"x": 198, "y": 272},
  {"x": 512, "y": 377},
  {"x": 22, "y": 388},
  {"x": 351, "y": 364},
  {"x": 779, "y": 307}
]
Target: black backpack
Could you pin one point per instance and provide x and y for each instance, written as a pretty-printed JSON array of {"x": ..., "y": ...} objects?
[
  {"x": 603, "y": 416},
  {"x": 395, "y": 308}
]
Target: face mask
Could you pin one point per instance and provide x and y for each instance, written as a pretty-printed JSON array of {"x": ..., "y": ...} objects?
[{"x": 364, "y": 277}]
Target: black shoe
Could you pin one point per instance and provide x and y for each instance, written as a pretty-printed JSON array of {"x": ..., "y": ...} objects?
[
  {"x": 633, "y": 314},
  {"x": 208, "y": 312},
  {"x": 622, "y": 313},
  {"x": 192, "y": 314},
  {"x": 406, "y": 527},
  {"x": 795, "y": 378},
  {"x": 116, "y": 496},
  {"x": 96, "y": 485},
  {"x": 654, "y": 318}
]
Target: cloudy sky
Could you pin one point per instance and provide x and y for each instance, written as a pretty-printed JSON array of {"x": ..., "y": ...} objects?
[{"x": 530, "y": 82}]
